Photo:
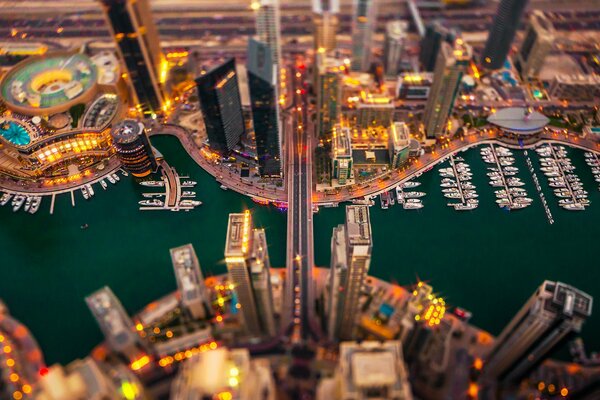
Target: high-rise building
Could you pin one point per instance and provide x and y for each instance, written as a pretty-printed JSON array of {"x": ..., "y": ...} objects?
[
  {"x": 223, "y": 374},
  {"x": 341, "y": 154},
  {"x": 502, "y": 33},
  {"x": 190, "y": 281},
  {"x": 350, "y": 260},
  {"x": 221, "y": 105},
  {"x": 413, "y": 86},
  {"x": 435, "y": 34},
  {"x": 132, "y": 146},
  {"x": 133, "y": 30},
  {"x": 262, "y": 83},
  {"x": 552, "y": 315},
  {"x": 114, "y": 322},
  {"x": 374, "y": 110},
  {"x": 393, "y": 46},
  {"x": 268, "y": 29},
  {"x": 399, "y": 140},
  {"x": 539, "y": 39},
  {"x": 88, "y": 379},
  {"x": 577, "y": 87},
  {"x": 364, "y": 23},
  {"x": 326, "y": 24},
  {"x": 450, "y": 66},
  {"x": 368, "y": 370},
  {"x": 329, "y": 92},
  {"x": 248, "y": 266}
]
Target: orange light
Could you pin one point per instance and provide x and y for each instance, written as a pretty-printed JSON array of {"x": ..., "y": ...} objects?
[
  {"x": 219, "y": 318},
  {"x": 473, "y": 390},
  {"x": 564, "y": 392},
  {"x": 478, "y": 364},
  {"x": 140, "y": 363}
]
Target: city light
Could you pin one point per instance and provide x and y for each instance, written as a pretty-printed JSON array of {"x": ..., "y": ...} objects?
[{"x": 140, "y": 363}]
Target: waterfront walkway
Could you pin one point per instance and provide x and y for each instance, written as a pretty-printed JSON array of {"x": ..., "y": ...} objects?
[{"x": 378, "y": 184}]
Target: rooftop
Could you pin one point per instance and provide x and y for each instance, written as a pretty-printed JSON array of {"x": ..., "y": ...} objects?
[
  {"x": 519, "y": 119},
  {"x": 358, "y": 225},
  {"x": 238, "y": 234}
]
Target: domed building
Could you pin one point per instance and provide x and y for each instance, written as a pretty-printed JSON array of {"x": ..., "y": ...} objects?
[
  {"x": 519, "y": 124},
  {"x": 55, "y": 114}
]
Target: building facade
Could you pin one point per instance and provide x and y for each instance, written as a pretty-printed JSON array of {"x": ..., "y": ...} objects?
[
  {"x": 450, "y": 66},
  {"x": 364, "y": 23},
  {"x": 374, "y": 110},
  {"x": 132, "y": 146},
  {"x": 539, "y": 39},
  {"x": 190, "y": 281},
  {"x": 268, "y": 29},
  {"x": 399, "y": 144},
  {"x": 329, "y": 93},
  {"x": 435, "y": 34},
  {"x": 221, "y": 106},
  {"x": 502, "y": 33},
  {"x": 262, "y": 84},
  {"x": 393, "y": 46},
  {"x": 552, "y": 315},
  {"x": 341, "y": 154},
  {"x": 326, "y": 24},
  {"x": 581, "y": 87},
  {"x": 412, "y": 86},
  {"x": 136, "y": 37}
]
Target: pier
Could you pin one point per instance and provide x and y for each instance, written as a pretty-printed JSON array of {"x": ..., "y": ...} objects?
[
  {"x": 52, "y": 203},
  {"x": 558, "y": 162},
  {"x": 73, "y": 198},
  {"x": 458, "y": 180},
  {"x": 509, "y": 195},
  {"x": 539, "y": 188}
]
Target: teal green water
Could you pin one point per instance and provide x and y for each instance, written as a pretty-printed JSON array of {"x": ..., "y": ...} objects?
[{"x": 487, "y": 261}]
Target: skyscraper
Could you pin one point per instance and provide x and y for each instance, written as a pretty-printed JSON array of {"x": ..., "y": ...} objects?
[
  {"x": 502, "y": 33},
  {"x": 326, "y": 23},
  {"x": 133, "y": 30},
  {"x": 539, "y": 39},
  {"x": 364, "y": 23},
  {"x": 435, "y": 34},
  {"x": 114, "y": 322},
  {"x": 350, "y": 260},
  {"x": 329, "y": 92},
  {"x": 368, "y": 370},
  {"x": 131, "y": 143},
  {"x": 341, "y": 154},
  {"x": 450, "y": 66},
  {"x": 393, "y": 46},
  {"x": 550, "y": 316},
  {"x": 190, "y": 281},
  {"x": 248, "y": 266},
  {"x": 267, "y": 28},
  {"x": 262, "y": 82},
  {"x": 221, "y": 107}
]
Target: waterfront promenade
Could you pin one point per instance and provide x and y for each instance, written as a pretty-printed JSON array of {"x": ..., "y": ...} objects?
[{"x": 378, "y": 184}]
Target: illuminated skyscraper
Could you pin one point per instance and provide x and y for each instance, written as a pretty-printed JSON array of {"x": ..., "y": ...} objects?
[
  {"x": 539, "y": 39},
  {"x": 435, "y": 34},
  {"x": 341, "y": 154},
  {"x": 326, "y": 23},
  {"x": 223, "y": 374},
  {"x": 133, "y": 148},
  {"x": 551, "y": 316},
  {"x": 329, "y": 92},
  {"x": 262, "y": 83},
  {"x": 221, "y": 105},
  {"x": 368, "y": 370},
  {"x": 114, "y": 322},
  {"x": 133, "y": 30},
  {"x": 502, "y": 33},
  {"x": 248, "y": 266},
  {"x": 364, "y": 23},
  {"x": 190, "y": 282},
  {"x": 450, "y": 66},
  {"x": 393, "y": 46},
  {"x": 267, "y": 28},
  {"x": 351, "y": 247}
]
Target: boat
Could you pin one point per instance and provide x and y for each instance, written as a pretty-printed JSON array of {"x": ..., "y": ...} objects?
[
  {"x": 552, "y": 174},
  {"x": 509, "y": 168},
  {"x": 518, "y": 206},
  {"x": 391, "y": 197},
  {"x": 510, "y": 173},
  {"x": 493, "y": 174},
  {"x": 412, "y": 206},
  {"x": 18, "y": 202},
  {"x": 224, "y": 187},
  {"x": 153, "y": 183},
  {"x": 455, "y": 195},
  {"x": 465, "y": 207},
  {"x": 414, "y": 195},
  {"x": 516, "y": 183},
  {"x": 187, "y": 193},
  {"x": 450, "y": 190},
  {"x": 103, "y": 184},
  {"x": 153, "y": 202},
  {"x": 522, "y": 200},
  {"x": 115, "y": 177},
  {"x": 448, "y": 180},
  {"x": 125, "y": 173},
  {"x": 85, "y": 193},
  {"x": 573, "y": 207},
  {"x": 448, "y": 185},
  {"x": 84, "y": 226},
  {"x": 410, "y": 184},
  {"x": 112, "y": 180},
  {"x": 90, "y": 189},
  {"x": 470, "y": 195},
  {"x": 556, "y": 184},
  {"x": 468, "y": 185},
  {"x": 188, "y": 183},
  {"x": 384, "y": 200},
  {"x": 35, "y": 204},
  {"x": 399, "y": 194},
  {"x": 27, "y": 203},
  {"x": 362, "y": 201},
  {"x": 190, "y": 203},
  {"x": 5, "y": 199}
]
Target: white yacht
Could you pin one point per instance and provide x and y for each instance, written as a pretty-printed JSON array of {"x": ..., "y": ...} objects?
[
  {"x": 188, "y": 193},
  {"x": 465, "y": 207},
  {"x": 454, "y": 195},
  {"x": 103, "y": 184},
  {"x": 410, "y": 184},
  {"x": 450, "y": 190},
  {"x": 412, "y": 206},
  {"x": 188, "y": 183},
  {"x": 5, "y": 199},
  {"x": 153, "y": 202},
  {"x": 35, "y": 204},
  {"x": 115, "y": 177},
  {"x": 85, "y": 193},
  {"x": 153, "y": 183},
  {"x": 90, "y": 189},
  {"x": 448, "y": 185},
  {"x": 399, "y": 194},
  {"x": 27, "y": 203},
  {"x": 190, "y": 203},
  {"x": 112, "y": 180},
  {"x": 17, "y": 202},
  {"x": 573, "y": 207}
]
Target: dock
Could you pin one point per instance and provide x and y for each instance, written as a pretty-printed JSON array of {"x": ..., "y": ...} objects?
[
  {"x": 563, "y": 174},
  {"x": 539, "y": 188},
  {"x": 509, "y": 195},
  {"x": 72, "y": 198},
  {"x": 458, "y": 181},
  {"x": 52, "y": 203}
]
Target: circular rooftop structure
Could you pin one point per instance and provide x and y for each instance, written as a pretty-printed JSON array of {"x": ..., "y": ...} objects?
[
  {"x": 15, "y": 133},
  {"x": 49, "y": 84},
  {"x": 519, "y": 120},
  {"x": 126, "y": 131}
]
